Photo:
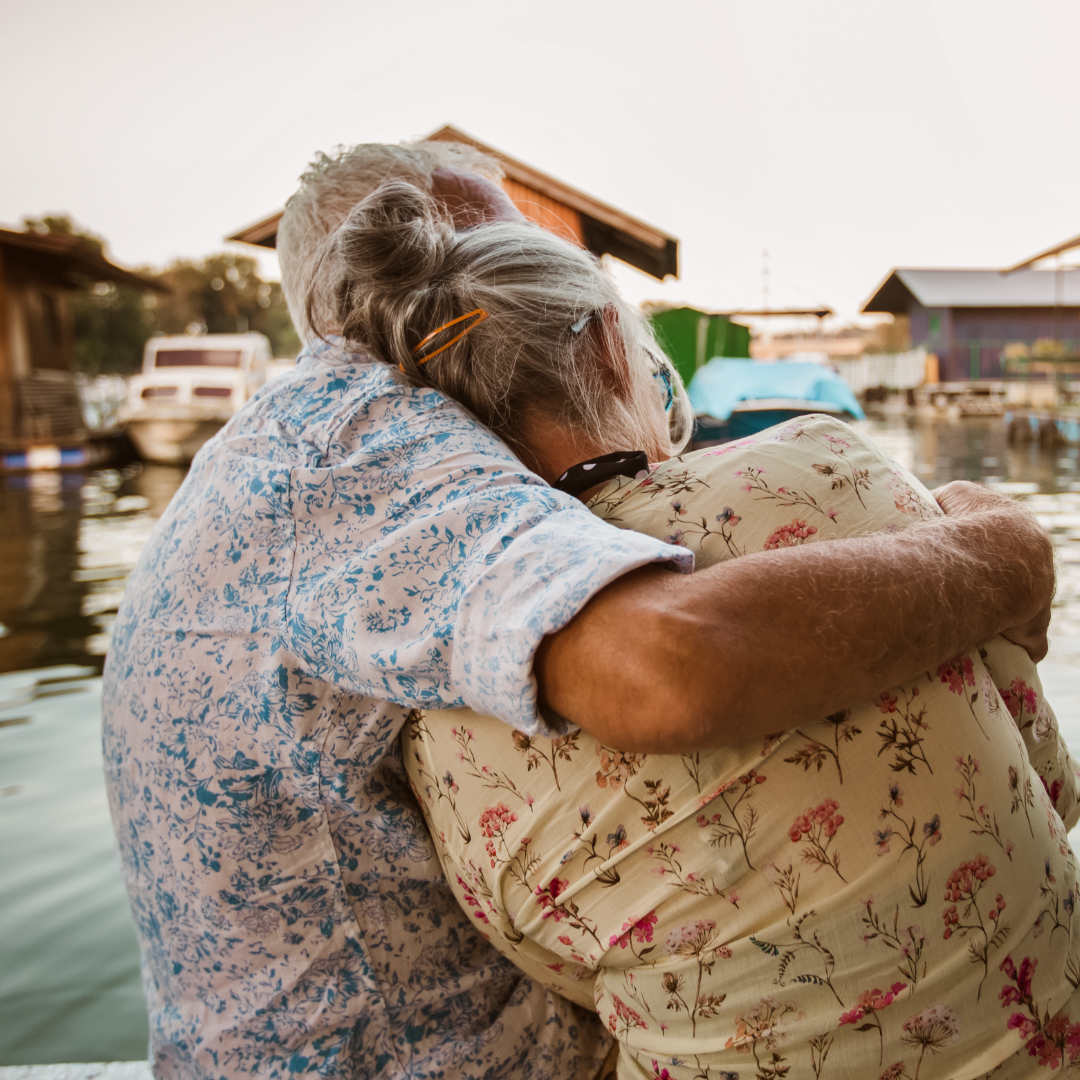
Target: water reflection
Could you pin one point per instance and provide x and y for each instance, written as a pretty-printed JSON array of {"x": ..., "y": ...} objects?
[
  {"x": 1046, "y": 482},
  {"x": 70, "y": 539},
  {"x": 68, "y": 544}
]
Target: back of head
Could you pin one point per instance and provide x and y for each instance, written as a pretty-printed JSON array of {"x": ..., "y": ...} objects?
[
  {"x": 558, "y": 342},
  {"x": 332, "y": 187}
]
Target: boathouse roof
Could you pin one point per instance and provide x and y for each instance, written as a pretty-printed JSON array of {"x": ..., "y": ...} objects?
[
  {"x": 595, "y": 225},
  {"x": 974, "y": 289},
  {"x": 66, "y": 259}
]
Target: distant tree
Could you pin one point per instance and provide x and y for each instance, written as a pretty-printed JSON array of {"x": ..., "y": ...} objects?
[
  {"x": 110, "y": 324},
  {"x": 222, "y": 294},
  {"x": 62, "y": 225}
]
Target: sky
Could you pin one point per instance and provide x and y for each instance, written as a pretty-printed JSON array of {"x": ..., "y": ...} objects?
[{"x": 844, "y": 137}]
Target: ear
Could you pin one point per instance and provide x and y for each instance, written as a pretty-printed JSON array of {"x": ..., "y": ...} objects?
[
  {"x": 611, "y": 353},
  {"x": 470, "y": 199}
]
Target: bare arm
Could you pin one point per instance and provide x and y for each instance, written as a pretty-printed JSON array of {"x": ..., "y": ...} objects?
[{"x": 667, "y": 663}]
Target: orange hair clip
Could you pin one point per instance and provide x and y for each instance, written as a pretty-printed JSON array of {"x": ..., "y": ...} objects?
[{"x": 479, "y": 314}]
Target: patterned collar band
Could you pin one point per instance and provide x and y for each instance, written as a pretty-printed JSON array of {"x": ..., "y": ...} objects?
[{"x": 587, "y": 474}]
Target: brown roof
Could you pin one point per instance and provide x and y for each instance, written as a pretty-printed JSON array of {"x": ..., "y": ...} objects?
[
  {"x": 73, "y": 256},
  {"x": 607, "y": 231}
]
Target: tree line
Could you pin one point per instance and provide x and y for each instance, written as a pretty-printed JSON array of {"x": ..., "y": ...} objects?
[{"x": 221, "y": 294}]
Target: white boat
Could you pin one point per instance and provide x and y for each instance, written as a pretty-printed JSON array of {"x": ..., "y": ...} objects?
[{"x": 189, "y": 387}]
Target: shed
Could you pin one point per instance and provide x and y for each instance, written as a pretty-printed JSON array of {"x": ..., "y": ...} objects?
[
  {"x": 39, "y": 405},
  {"x": 692, "y": 337},
  {"x": 967, "y": 317},
  {"x": 594, "y": 225}
]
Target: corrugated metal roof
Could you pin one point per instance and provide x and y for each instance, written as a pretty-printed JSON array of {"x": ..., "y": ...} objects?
[{"x": 974, "y": 288}]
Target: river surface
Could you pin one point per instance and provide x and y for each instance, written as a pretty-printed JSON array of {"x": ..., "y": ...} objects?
[{"x": 69, "y": 966}]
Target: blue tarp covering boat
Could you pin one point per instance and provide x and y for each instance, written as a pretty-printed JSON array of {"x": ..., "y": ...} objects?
[
  {"x": 723, "y": 383},
  {"x": 733, "y": 398}
]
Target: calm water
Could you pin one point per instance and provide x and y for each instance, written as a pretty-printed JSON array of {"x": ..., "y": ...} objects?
[{"x": 69, "y": 975}]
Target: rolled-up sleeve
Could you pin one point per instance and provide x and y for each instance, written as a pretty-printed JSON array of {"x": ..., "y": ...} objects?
[{"x": 430, "y": 564}]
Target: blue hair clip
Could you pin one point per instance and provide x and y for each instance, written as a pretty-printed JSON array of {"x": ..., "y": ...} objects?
[{"x": 576, "y": 328}]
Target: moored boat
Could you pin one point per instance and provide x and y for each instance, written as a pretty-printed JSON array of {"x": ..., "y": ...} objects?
[
  {"x": 733, "y": 398},
  {"x": 189, "y": 388}
]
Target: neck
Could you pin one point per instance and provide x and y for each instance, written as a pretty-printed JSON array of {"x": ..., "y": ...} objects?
[
  {"x": 549, "y": 449},
  {"x": 557, "y": 451}
]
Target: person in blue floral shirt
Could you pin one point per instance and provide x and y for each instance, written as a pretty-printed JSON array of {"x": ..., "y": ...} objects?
[{"x": 356, "y": 544}]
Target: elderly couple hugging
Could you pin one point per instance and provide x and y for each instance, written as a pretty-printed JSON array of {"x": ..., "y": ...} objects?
[{"x": 800, "y": 813}]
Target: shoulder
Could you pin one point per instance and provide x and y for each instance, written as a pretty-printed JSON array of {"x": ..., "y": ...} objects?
[
  {"x": 812, "y": 478},
  {"x": 340, "y": 408}
]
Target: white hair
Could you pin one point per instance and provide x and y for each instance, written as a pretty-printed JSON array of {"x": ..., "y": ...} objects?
[
  {"x": 558, "y": 342},
  {"x": 331, "y": 188},
  {"x": 368, "y": 254}
]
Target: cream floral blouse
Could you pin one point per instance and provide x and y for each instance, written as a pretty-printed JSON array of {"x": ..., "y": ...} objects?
[{"x": 888, "y": 892}]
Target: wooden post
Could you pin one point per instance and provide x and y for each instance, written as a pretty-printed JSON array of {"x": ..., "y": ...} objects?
[{"x": 7, "y": 365}]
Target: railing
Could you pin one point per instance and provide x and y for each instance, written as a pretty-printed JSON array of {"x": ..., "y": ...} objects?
[
  {"x": 897, "y": 371},
  {"x": 980, "y": 358}
]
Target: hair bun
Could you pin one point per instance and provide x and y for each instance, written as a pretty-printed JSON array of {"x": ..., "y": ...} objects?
[{"x": 394, "y": 239}]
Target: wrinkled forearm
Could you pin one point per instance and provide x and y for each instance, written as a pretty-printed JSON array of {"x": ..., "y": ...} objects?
[{"x": 658, "y": 662}]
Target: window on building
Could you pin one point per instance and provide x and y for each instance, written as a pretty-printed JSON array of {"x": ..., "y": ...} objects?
[{"x": 935, "y": 324}]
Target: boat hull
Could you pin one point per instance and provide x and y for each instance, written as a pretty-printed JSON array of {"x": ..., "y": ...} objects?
[
  {"x": 753, "y": 416},
  {"x": 171, "y": 441},
  {"x": 96, "y": 450}
]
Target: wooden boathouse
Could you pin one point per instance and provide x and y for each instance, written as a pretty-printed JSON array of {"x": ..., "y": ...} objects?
[
  {"x": 41, "y": 423},
  {"x": 594, "y": 225},
  {"x": 968, "y": 317}
]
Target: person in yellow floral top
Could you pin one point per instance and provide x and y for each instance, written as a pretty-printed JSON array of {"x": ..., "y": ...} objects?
[{"x": 888, "y": 892}]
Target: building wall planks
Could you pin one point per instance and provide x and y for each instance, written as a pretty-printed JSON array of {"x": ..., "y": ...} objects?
[{"x": 546, "y": 212}]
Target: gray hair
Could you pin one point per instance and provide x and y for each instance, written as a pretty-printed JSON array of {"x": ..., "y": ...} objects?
[
  {"x": 558, "y": 341},
  {"x": 332, "y": 187}
]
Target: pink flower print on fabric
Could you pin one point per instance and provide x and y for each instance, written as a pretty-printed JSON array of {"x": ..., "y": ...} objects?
[
  {"x": 546, "y": 895},
  {"x": 1055, "y": 1041},
  {"x": 493, "y": 823},
  {"x": 932, "y": 1029},
  {"x": 869, "y": 1004},
  {"x": 625, "y": 1016},
  {"x": 1019, "y": 698},
  {"x": 871, "y": 1001},
  {"x": 690, "y": 939},
  {"x": 1058, "y": 1042},
  {"x": 956, "y": 672},
  {"x": 887, "y": 702},
  {"x": 790, "y": 535},
  {"x": 1054, "y": 789},
  {"x": 640, "y": 932},
  {"x": 817, "y": 827}
]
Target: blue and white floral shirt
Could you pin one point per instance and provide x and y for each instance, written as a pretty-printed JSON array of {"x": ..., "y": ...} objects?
[{"x": 347, "y": 548}]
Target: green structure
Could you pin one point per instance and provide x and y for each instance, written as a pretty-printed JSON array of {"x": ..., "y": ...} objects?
[{"x": 691, "y": 338}]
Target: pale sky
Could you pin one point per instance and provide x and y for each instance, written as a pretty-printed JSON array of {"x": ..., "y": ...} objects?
[{"x": 846, "y": 137}]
